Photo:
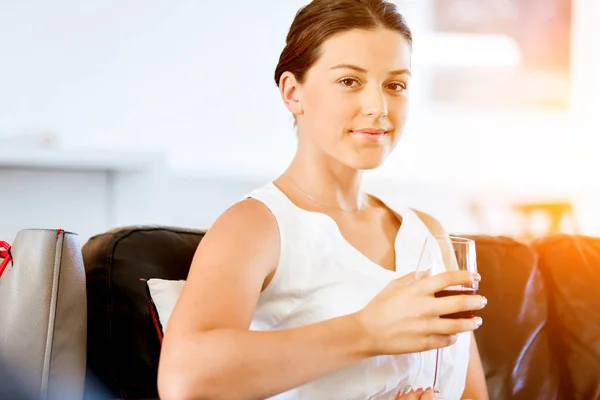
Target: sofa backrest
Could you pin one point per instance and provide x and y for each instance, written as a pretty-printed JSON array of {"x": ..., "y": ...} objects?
[
  {"x": 571, "y": 268},
  {"x": 123, "y": 346},
  {"x": 514, "y": 339}
]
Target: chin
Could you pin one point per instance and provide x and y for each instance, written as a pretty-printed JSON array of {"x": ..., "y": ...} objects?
[
  {"x": 366, "y": 163},
  {"x": 367, "y": 155}
]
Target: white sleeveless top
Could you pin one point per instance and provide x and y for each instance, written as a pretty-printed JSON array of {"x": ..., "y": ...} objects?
[{"x": 321, "y": 276}]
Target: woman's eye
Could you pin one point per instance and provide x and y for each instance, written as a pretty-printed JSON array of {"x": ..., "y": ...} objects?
[
  {"x": 349, "y": 82},
  {"x": 397, "y": 87}
]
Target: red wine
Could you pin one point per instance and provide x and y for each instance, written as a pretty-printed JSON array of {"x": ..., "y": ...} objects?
[{"x": 454, "y": 292}]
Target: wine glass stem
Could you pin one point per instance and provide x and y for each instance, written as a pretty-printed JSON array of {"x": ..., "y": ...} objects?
[{"x": 437, "y": 374}]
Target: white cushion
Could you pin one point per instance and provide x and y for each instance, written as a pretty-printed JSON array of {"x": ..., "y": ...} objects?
[{"x": 164, "y": 294}]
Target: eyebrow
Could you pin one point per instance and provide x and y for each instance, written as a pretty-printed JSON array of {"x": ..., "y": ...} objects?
[{"x": 362, "y": 70}]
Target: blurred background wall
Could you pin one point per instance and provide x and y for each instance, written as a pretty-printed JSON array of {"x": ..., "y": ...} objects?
[{"x": 129, "y": 112}]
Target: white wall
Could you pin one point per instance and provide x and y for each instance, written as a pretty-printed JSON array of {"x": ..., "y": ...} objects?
[
  {"x": 194, "y": 78},
  {"x": 191, "y": 77}
]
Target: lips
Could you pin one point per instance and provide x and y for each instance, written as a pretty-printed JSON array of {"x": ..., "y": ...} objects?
[
  {"x": 370, "y": 131},
  {"x": 370, "y": 134}
]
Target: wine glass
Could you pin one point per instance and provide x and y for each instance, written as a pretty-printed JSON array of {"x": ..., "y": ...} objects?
[{"x": 441, "y": 254}]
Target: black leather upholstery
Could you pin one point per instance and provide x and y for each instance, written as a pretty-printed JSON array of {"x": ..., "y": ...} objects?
[
  {"x": 513, "y": 341},
  {"x": 539, "y": 339},
  {"x": 123, "y": 346},
  {"x": 571, "y": 268}
]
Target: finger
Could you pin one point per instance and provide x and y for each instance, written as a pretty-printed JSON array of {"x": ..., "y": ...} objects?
[
  {"x": 458, "y": 303},
  {"x": 406, "y": 279},
  {"x": 404, "y": 391},
  {"x": 422, "y": 274},
  {"x": 404, "y": 394},
  {"x": 438, "y": 282},
  {"x": 428, "y": 395},
  {"x": 451, "y": 326},
  {"x": 410, "y": 395},
  {"x": 433, "y": 342}
]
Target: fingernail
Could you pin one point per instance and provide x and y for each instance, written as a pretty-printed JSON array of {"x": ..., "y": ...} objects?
[
  {"x": 476, "y": 277},
  {"x": 405, "y": 390},
  {"x": 478, "y": 321},
  {"x": 484, "y": 301}
]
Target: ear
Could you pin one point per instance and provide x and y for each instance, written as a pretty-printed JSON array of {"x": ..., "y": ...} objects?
[{"x": 289, "y": 89}]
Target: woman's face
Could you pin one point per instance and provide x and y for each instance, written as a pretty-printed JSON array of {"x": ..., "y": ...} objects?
[{"x": 353, "y": 103}]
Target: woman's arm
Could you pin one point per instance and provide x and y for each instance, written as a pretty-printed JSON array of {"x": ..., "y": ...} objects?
[
  {"x": 208, "y": 351},
  {"x": 234, "y": 364},
  {"x": 475, "y": 385}
]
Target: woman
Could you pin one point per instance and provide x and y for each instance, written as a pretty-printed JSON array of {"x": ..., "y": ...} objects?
[{"x": 297, "y": 291}]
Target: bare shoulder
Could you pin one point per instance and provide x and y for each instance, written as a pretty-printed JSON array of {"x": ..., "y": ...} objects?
[
  {"x": 229, "y": 270},
  {"x": 247, "y": 229},
  {"x": 249, "y": 221},
  {"x": 434, "y": 226}
]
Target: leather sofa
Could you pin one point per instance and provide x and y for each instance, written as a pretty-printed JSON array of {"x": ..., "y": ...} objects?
[{"x": 540, "y": 338}]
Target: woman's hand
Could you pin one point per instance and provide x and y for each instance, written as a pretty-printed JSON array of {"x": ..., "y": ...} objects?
[
  {"x": 419, "y": 394},
  {"x": 404, "y": 317}
]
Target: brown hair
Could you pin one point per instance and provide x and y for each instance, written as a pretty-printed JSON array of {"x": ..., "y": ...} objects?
[{"x": 320, "y": 19}]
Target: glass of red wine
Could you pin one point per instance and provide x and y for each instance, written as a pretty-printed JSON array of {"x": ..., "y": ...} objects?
[{"x": 441, "y": 254}]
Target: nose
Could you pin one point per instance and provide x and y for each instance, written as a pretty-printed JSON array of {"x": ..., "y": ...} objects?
[{"x": 375, "y": 103}]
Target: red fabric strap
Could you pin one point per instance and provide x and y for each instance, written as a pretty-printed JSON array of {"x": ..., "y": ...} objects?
[
  {"x": 5, "y": 256},
  {"x": 155, "y": 321}
]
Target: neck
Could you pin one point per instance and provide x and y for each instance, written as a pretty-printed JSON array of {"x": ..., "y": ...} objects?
[{"x": 326, "y": 180}]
